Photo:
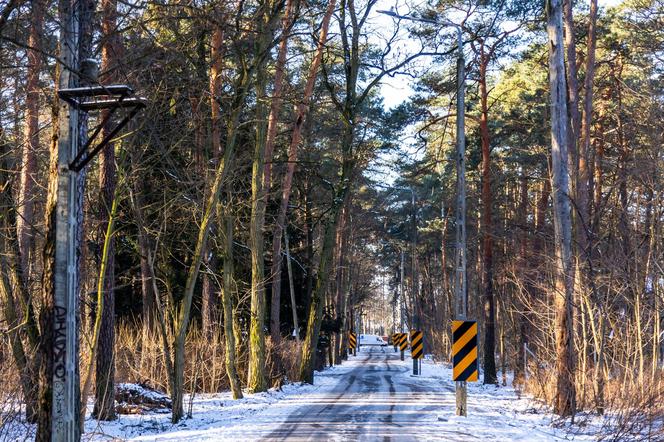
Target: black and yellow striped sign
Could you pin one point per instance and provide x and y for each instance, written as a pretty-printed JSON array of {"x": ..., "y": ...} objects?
[
  {"x": 352, "y": 340},
  {"x": 403, "y": 341},
  {"x": 464, "y": 351},
  {"x": 416, "y": 344},
  {"x": 395, "y": 339}
]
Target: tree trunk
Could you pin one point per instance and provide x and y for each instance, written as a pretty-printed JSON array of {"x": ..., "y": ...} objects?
[
  {"x": 309, "y": 229},
  {"x": 273, "y": 119},
  {"x": 572, "y": 92},
  {"x": 584, "y": 233},
  {"x": 46, "y": 350},
  {"x": 598, "y": 180},
  {"x": 209, "y": 293},
  {"x": 564, "y": 404},
  {"x": 287, "y": 183},
  {"x": 291, "y": 286},
  {"x": 277, "y": 99},
  {"x": 149, "y": 303},
  {"x": 256, "y": 376},
  {"x": 490, "y": 376},
  {"x": 10, "y": 281},
  {"x": 25, "y": 219},
  {"x": 257, "y": 381},
  {"x": 623, "y": 159},
  {"x": 104, "y": 408},
  {"x": 86, "y": 12},
  {"x": 183, "y": 313},
  {"x": 340, "y": 276},
  {"x": 228, "y": 305},
  {"x": 318, "y": 295},
  {"x": 583, "y": 197},
  {"x": 101, "y": 379},
  {"x": 523, "y": 319}
]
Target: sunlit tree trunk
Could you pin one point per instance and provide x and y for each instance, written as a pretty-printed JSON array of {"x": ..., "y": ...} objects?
[
  {"x": 183, "y": 313},
  {"x": 572, "y": 91},
  {"x": 111, "y": 55},
  {"x": 583, "y": 197},
  {"x": 256, "y": 379},
  {"x": 45, "y": 407},
  {"x": 564, "y": 403},
  {"x": 523, "y": 315},
  {"x": 287, "y": 182},
  {"x": 273, "y": 120},
  {"x": 209, "y": 294},
  {"x": 25, "y": 219},
  {"x": 228, "y": 303}
]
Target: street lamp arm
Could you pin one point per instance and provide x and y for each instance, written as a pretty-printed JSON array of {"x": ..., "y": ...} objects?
[
  {"x": 420, "y": 19},
  {"x": 456, "y": 26}
]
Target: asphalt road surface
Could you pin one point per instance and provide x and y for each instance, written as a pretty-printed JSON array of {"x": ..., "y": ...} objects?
[{"x": 378, "y": 400}]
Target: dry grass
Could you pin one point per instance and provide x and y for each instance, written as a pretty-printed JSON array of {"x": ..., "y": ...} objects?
[
  {"x": 633, "y": 411},
  {"x": 142, "y": 361}
]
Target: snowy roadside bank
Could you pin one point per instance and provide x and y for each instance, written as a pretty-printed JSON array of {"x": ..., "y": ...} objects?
[
  {"x": 497, "y": 412},
  {"x": 212, "y": 415},
  {"x": 494, "y": 413}
]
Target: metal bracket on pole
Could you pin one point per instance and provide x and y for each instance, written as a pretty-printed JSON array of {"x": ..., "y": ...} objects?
[
  {"x": 111, "y": 98},
  {"x": 71, "y": 160}
]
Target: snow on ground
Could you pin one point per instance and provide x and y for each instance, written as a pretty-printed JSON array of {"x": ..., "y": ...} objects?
[
  {"x": 494, "y": 413},
  {"x": 214, "y": 416},
  {"x": 498, "y": 412}
]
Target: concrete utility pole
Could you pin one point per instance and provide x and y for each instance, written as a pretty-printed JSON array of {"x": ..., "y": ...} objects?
[
  {"x": 402, "y": 295},
  {"x": 395, "y": 299},
  {"x": 460, "y": 279},
  {"x": 74, "y": 152},
  {"x": 65, "y": 359},
  {"x": 415, "y": 277}
]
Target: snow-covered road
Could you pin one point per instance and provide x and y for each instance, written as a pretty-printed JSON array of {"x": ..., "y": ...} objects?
[
  {"x": 376, "y": 400},
  {"x": 373, "y": 396}
]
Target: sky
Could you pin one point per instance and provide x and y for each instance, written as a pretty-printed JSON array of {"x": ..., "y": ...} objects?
[{"x": 396, "y": 90}]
